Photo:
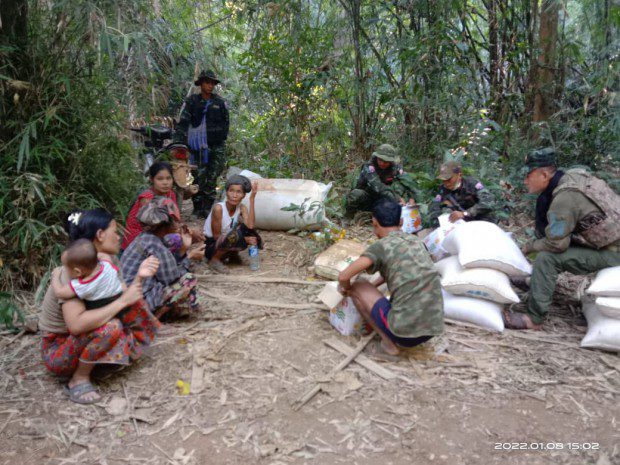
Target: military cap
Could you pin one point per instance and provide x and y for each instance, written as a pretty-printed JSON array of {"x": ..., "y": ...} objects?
[
  {"x": 540, "y": 158},
  {"x": 208, "y": 75},
  {"x": 387, "y": 152},
  {"x": 448, "y": 169},
  {"x": 158, "y": 211}
]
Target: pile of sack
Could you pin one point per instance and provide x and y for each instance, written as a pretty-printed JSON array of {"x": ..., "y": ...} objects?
[
  {"x": 601, "y": 307},
  {"x": 475, "y": 275}
]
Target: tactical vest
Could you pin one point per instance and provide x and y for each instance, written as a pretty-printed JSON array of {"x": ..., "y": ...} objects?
[{"x": 598, "y": 229}]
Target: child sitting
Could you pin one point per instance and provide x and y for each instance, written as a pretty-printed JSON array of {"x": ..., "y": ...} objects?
[
  {"x": 414, "y": 313},
  {"x": 93, "y": 280}
]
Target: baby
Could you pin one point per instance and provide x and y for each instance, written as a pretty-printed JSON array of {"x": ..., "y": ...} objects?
[{"x": 94, "y": 279}]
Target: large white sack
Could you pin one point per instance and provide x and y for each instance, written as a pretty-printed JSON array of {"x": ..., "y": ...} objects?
[
  {"x": 481, "y": 283},
  {"x": 606, "y": 283},
  {"x": 275, "y": 194},
  {"x": 480, "y": 244},
  {"x": 434, "y": 241},
  {"x": 479, "y": 312},
  {"x": 603, "y": 332},
  {"x": 609, "y": 306},
  {"x": 337, "y": 257}
]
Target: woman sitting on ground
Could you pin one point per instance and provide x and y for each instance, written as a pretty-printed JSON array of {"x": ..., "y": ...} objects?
[
  {"x": 172, "y": 290},
  {"x": 75, "y": 340},
  {"x": 229, "y": 227},
  {"x": 162, "y": 183}
]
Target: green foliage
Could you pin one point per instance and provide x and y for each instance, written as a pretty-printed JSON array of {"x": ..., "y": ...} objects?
[
  {"x": 90, "y": 67},
  {"x": 9, "y": 311}
]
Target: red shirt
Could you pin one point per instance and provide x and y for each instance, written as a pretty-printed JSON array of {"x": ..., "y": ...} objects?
[{"x": 132, "y": 225}]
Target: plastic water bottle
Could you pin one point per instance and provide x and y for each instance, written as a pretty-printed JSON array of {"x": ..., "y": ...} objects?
[{"x": 254, "y": 258}]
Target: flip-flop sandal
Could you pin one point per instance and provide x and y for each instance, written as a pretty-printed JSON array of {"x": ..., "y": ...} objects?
[
  {"x": 514, "y": 320},
  {"x": 77, "y": 392},
  {"x": 375, "y": 350}
]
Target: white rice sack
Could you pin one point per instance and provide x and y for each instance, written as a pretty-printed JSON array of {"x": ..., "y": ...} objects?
[
  {"x": 606, "y": 283},
  {"x": 609, "y": 306},
  {"x": 603, "y": 332},
  {"x": 479, "y": 312},
  {"x": 480, "y": 244},
  {"x": 481, "y": 283}
]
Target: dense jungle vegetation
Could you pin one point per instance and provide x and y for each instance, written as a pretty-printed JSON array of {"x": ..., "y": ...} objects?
[{"x": 313, "y": 87}]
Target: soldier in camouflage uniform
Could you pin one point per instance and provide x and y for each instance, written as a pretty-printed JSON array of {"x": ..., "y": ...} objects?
[
  {"x": 204, "y": 125},
  {"x": 381, "y": 178},
  {"x": 578, "y": 230},
  {"x": 463, "y": 197},
  {"x": 414, "y": 313}
]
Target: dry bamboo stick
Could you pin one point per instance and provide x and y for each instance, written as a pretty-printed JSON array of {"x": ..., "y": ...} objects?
[{"x": 315, "y": 390}]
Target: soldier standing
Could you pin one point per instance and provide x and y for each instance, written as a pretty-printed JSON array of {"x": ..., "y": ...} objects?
[
  {"x": 578, "y": 230},
  {"x": 381, "y": 178},
  {"x": 204, "y": 124},
  {"x": 464, "y": 197}
]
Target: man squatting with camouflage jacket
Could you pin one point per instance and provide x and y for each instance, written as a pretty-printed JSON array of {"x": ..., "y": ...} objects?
[
  {"x": 381, "y": 178},
  {"x": 577, "y": 226},
  {"x": 204, "y": 125},
  {"x": 464, "y": 197}
]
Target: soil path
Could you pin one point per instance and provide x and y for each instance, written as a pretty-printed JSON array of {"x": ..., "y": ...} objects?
[{"x": 485, "y": 399}]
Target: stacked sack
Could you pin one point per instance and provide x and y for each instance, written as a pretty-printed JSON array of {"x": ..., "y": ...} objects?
[
  {"x": 602, "y": 310},
  {"x": 475, "y": 278}
]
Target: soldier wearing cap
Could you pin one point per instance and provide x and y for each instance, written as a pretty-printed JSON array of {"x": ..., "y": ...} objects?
[
  {"x": 577, "y": 229},
  {"x": 463, "y": 197},
  {"x": 381, "y": 178},
  {"x": 204, "y": 125}
]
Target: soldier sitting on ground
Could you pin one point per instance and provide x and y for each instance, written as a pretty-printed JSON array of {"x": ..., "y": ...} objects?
[
  {"x": 578, "y": 230},
  {"x": 381, "y": 178},
  {"x": 463, "y": 197}
]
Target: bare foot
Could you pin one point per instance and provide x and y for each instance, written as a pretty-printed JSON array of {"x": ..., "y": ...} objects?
[{"x": 389, "y": 347}]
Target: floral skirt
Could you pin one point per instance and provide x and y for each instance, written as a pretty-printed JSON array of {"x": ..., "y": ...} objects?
[
  {"x": 119, "y": 341},
  {"x": 179, "y": 299},
  {"x": 234, "y": 241}
]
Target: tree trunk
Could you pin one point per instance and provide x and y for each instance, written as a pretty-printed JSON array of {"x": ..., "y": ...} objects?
[
  {"x": 14, "y": 23},
  {"x": 545, "y": 84}
]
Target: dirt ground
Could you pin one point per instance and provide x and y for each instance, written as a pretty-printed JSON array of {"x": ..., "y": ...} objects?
[{"x": 473, "y": 397}]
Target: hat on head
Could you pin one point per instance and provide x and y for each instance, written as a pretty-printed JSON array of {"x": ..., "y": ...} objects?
[
  {"x": 448, "y": 169},
  {"x": 540, "y": 158},
  {"x": 208, "y": 75},
  {"x": 387, "y": 152},
  {"x": 158, "y": 211}
]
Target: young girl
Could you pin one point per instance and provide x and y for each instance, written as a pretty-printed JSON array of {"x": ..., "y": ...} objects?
[
  {"x": 162, "y": 184},
  {"x": 230, "y": 226}
]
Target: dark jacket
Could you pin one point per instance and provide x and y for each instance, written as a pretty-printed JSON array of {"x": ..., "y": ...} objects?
[
  {"x": 471, "y": 197},
  {"x": 217, "y": 119}
]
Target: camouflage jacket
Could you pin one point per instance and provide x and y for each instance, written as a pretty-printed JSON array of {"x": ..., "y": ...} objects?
[
  {"x": 414, "y": 284},
  {"x": 471, "y": 197},
  {"x": 392, "y": 183},
  {"x": 584, "y": 211},
  {"x": 217, "y": 119}
]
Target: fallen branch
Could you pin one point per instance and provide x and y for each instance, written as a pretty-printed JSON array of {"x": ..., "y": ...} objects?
[
  {"x": 361, "y": 359},
  {"x": 253, "y": 279},
  {"x": 264, "y": 303},
  {"x": 316, "y": 389}
]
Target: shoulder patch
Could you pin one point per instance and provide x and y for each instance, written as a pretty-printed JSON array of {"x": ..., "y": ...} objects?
[
  {"x": 371, "y": 168},
  {"x": 479, "y": 186},
  {"x": 438, "y": 198}
]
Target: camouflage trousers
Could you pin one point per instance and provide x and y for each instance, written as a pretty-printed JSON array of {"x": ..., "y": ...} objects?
[
  {"x": 206, "y": 177},
  {"x": 359, "y": 200},
  {"x": 547, "y": 267}
]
